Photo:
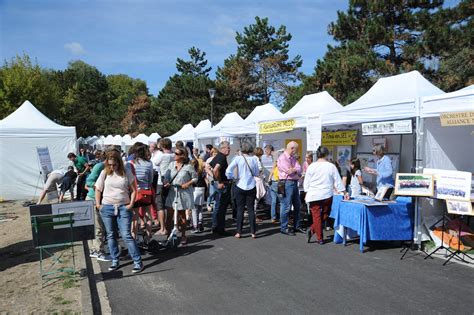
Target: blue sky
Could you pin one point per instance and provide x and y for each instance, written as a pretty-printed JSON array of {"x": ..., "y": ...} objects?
[{"x": 143, "y": 38}]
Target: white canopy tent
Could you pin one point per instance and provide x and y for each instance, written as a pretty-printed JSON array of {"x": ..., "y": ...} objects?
[
  {"x": 141, "y": 138},
  {"x": 312, "y": 104},
  {"x": 203, "y": 126},
  {"x": 111, "y": 140},
  {"x": 309, "y": 105},
  {"x": 390, "y": 98},
  {"x": 153, "y": 137},
  {"x": 127, "y": 140},
  {"x": 229, "y": 120},
  {"x": 440, "y": 151},
  {"x": 448, "y": 147},
  {"x": 185, "y": 134},
  {"x": 21, "y": 133},
  {"x": 249, "y": 126}
]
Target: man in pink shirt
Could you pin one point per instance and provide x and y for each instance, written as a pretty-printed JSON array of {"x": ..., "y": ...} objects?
[{"x": 289, "y": 170}]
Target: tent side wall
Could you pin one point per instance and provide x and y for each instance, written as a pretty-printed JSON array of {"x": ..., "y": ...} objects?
[{"x": 19, "y": 165}]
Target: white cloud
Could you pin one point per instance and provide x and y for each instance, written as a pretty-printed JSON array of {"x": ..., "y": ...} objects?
[
  {"x": 223, "y": 36},
  {"x": 75, "y": 48}
]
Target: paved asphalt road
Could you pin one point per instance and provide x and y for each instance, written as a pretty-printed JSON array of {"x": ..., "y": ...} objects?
[{"x": 281, "y": 274}]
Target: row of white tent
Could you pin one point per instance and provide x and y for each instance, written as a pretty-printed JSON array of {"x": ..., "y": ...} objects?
[{"x": 402, "y": 96}]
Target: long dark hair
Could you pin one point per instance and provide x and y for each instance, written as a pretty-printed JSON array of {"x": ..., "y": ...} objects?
[{"x": 356, "y": 163}]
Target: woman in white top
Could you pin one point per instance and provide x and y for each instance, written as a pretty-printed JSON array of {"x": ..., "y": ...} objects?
[
  {"x": 320, "y": 180},
  {"x": 245, "y": 191},
  {"x": 356, "y": 178},
  {"x": 115, "y": 194}
]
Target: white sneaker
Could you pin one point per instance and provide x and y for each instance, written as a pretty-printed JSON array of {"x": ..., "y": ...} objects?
[
  {"x": 94, "y": 254},
  {"x": 103, "y": 257}
]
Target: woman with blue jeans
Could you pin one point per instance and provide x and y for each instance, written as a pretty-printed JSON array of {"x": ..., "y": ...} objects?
[{"x": 115, "y": 194}]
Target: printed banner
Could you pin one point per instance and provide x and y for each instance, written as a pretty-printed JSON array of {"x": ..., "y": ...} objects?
[
  {"x": 387, "y": 127},
  {"x": 45, "y": 161},
  {"x": 276, "y": 126},
  {"x": 335, "y": 138},
  {"x": 313, "y": 133},
  {"x": 457, "y": 119}
]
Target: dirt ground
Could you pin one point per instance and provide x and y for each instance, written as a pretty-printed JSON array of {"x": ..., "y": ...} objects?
[{"x": 21, "y": 288}]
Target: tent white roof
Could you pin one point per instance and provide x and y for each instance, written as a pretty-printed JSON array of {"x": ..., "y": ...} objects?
[
  {"x": 263, "y": 112},
  {"x": 389, "y": 98},
  {"x": 140, "y": 138},
  {"x": 127, "y": 140},
  {"x": 229, "y": 120},
  {"x": 203, "y": 126},
  {"x": 458, "y": 101},
  {"x": 316, "y": 103},
  {"x": 27, "y": 119},
  {"x": 21, "y": 133},
  {"x": 111, "y": 140},
  {"x": 249, "y": 125},
  {"x": 186, "y": 133},
  {"x": 153, "y": 137}
]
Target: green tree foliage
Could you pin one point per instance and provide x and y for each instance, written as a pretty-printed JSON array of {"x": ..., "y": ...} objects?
[
  {"x": 236, "y": 89},
  {"x": 448, "y": 45},
  {"x": 135, "y": 120},
  {"x": 21, "y": 80},
  {"x": 270, "y": 70},
  {"x": 183, "y": 100},
  {"x": 85, "y": 99},
  {"x": 122, "y": 92},
  {"x": 196, "y": 66},
  {"x": 376, "y": 38}
]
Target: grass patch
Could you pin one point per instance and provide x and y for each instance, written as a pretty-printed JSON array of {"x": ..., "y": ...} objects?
[
  {"x": 69, "y": 283},
  {"x": 59, "y": 300}
]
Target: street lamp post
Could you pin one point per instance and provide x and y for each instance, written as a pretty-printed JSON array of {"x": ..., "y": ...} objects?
[{"x": 212, "y": 93}]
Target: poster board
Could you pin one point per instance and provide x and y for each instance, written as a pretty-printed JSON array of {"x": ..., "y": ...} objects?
[
  {"x": 344, "y": 154},
  {"x": 459, "y": 207},
  {"x": 83, "y": 226},
  {"x": 387, "y": 127},
  {"x": 413, "y": 184},
  {"x": 46, "y": 167},
  {"x": 313, "y": 133},
  {"x": 44, "y": 159},
  {"x": 453, "y": 185},
  {"x": 370, "y": 160}
]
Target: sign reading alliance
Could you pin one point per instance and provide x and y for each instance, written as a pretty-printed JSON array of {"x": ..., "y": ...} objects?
[
  {"x": 457, "y": 119},
  {"x": 276, "y": 126}
]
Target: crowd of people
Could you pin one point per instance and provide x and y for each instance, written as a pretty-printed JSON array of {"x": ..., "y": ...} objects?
[{"x": 142, "y": 190}]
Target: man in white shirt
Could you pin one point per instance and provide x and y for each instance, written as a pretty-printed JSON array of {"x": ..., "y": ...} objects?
[{"x": 161, "y": 162}]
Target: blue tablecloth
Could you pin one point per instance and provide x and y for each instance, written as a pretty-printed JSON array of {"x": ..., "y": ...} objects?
[{"x": 391, "y": 222}]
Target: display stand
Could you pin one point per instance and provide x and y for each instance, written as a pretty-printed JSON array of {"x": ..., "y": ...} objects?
[
  {"x": 443, "y": 219},
  {"x": 54, "y": 271},
  {"x": 458, "y": 250}
]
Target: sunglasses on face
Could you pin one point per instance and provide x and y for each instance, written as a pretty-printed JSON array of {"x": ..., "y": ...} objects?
[
  {"x": 112, "y": 164},
  {"x": 178, "y": 153}
]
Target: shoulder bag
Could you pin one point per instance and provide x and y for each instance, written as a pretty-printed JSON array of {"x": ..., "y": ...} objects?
[
  {"x": 143, "y": 197},
  {"x": 261, "y": 191}
]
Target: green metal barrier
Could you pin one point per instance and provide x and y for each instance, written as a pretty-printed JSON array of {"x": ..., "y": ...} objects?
[{"x": 59, "y": 267}]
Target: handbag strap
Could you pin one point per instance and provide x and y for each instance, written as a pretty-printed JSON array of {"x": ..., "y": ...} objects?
[
  {"x": 132, "y": 166},
  {"x": 171, "y": 181},
  {"x": 248, "y": 165}
]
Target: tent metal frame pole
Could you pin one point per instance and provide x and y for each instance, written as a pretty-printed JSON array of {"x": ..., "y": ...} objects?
[{"x": 418, "y": 167}]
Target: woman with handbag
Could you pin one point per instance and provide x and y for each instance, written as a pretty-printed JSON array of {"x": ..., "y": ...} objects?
[
  {"x": 247, "y": 168},
  {"x": 143, "y": 172},
  {"x": 115, "y": 192},
  {"x": 182, "y": 174},
  {"x": 322, "y": 177}
]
